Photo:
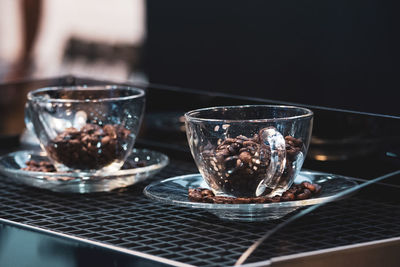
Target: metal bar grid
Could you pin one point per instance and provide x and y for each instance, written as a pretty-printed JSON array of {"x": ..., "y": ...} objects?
[{"x": 127, "y": 219}]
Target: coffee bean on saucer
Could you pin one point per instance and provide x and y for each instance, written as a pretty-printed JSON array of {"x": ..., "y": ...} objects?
[
  {"x": 288, "y": 196},
  {"x": 295, "y": 192},
  {"x": 304, "y": 194},
  {"x": 41, "y": 166},
  {"x": 46, "y": 166}
]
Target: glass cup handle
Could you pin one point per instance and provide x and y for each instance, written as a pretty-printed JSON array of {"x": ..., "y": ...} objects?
[
  {"x": 28, "y": 117},
  {"x": 272, "y": 137}
]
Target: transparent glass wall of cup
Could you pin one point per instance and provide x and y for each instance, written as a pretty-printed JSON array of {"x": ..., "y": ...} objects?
[
  {"x": 249, "y": 151},
  {"x": 86, "y": 128}
]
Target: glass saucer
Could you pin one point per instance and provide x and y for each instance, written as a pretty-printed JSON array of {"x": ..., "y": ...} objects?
[
  {"x": 80, "y": 182},
  {"x": 175, "y": 191}
]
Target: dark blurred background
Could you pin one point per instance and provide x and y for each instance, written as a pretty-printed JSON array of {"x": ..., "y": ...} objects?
[
  {"x": 327, "y": 53},
  {"x": 338, "y": 53}
]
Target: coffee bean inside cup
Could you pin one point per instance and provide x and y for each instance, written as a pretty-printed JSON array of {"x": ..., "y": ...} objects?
[
  {"x": 90, "y": 148},
  {"x": 238, "y": 165}
]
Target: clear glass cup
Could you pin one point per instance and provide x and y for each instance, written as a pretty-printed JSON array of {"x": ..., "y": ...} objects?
[
  {"x": 249, "y": 151},
  {"x": 86, "y": 128}
]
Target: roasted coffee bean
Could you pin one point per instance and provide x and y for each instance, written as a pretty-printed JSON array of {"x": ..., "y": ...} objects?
[
  {"x": 239, "y": 163},
  {"x": 231, "y": 150},
  {"x": 250, "y": 143},
  {"x": 304, "y": 195},
  {"x": 245, "y": 157},
  {"x": 309, "y": 186},
  {"x": 72, "y": 132},
  {"x": 105, "y": 140},
  {"x": 195, "y": 195},
  {"x": 256, "y": 138},
  {"x": 225, "y": 152},
  {"x": 242, "y": 137},
  {"x": 288, "y": 196},
  {"x": 239, "y": 142},
  {"x": 296, "y": 142},
  {"x": 110, "y": 130},
  {"x": 207, "y": 192},
  {"x": 244, "y": 149},
  {"x": 294, "y": 189},
  {"x": 276, "y": 199},
  {"x": 32, "y": 163}
]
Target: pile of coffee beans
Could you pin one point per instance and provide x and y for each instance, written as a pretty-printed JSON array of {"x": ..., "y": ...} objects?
[
  {"x": 91, "y": 147},
  {"x": 39, "y": 166},
  {"x": 238, "y": 165},
  {"x": 45, "y": 166},
  {"x": 302, "y": 191}
]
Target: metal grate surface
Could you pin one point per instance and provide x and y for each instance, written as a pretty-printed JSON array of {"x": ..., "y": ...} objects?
[{"x": 127, "y": 219}]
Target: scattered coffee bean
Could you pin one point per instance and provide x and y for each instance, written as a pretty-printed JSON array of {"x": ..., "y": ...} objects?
[
  {"x": 295, "y": 192},
  {"x": 304, "y": 195},
  {"x": 91, "y": 147},
  {"x": 45, "y": 166},
  {"x": 288, "y": 196},
  {"x": 41, "y": 166}
]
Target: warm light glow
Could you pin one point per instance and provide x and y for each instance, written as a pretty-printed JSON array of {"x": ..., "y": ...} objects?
[{"x": 321, "y": 157}]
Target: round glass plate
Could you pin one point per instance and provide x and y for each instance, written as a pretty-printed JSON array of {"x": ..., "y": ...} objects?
[
  {"x": 81, "y": 182},
  {"x": 175, "y": 191}
]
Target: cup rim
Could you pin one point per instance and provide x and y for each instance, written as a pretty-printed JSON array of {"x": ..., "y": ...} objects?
[
  {"x": 31, "y": 95},
  {"x": 308, "y": 114}
]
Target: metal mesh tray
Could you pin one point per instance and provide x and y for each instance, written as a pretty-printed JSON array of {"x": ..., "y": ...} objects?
[{"x": 127, "y": 219}]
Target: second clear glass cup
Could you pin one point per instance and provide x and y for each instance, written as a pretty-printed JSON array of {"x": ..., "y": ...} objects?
[
  {"x": 249, "y": 151},
  {"x": 86, "y": 128}
]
